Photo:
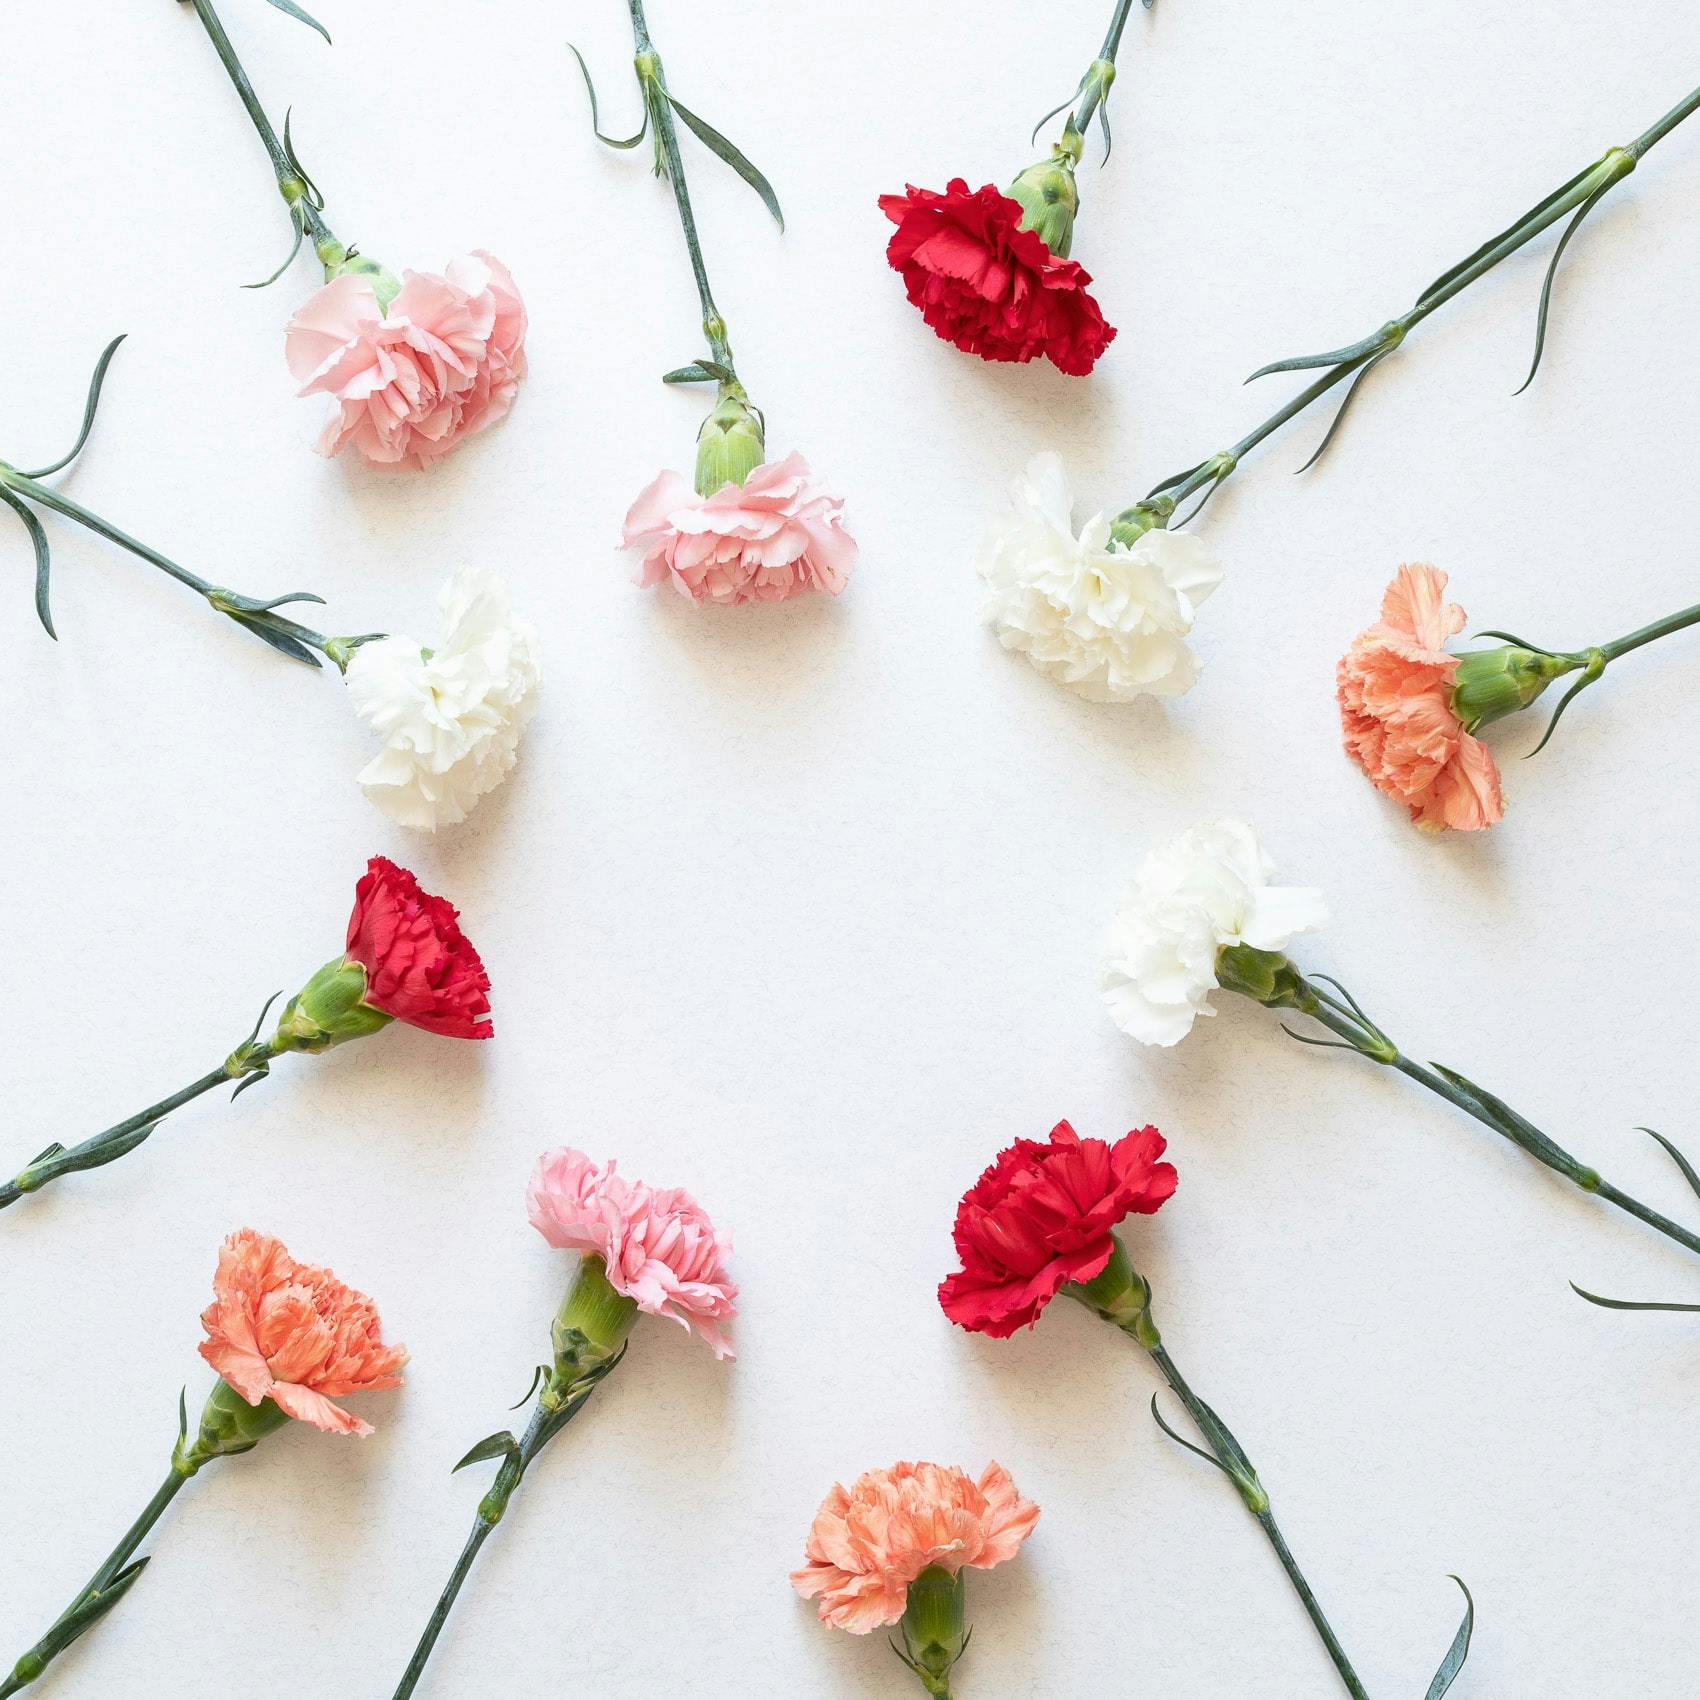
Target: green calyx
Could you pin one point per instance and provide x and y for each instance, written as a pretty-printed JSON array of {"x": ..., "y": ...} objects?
[
  {"x": 1048, "y": 196},
  {"x": 588, "y": 1333},
  {"x": 329, "y": 1010},
  {"x": 1119, "y": 1294},
  {"x": 1264, "y": 976},
  {"x": 934, "y": 1632},
  {"x": 229, "y": 1426},
  {"x": 340, "y": 261},
  {"x": 1131, "y": 524},
  {"x": 732, "y": 441},
  {"x": 1492, "y": 683}
]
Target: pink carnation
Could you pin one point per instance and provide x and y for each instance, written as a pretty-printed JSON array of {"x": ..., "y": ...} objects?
[
  {"x": 870, "y": 1541},
  {"x": 659, "y": 1246},
  {"x": 774, "y": 536},
  {"x": 442, "y": 362}
]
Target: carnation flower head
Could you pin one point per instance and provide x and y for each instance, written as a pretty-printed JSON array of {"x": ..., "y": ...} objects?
[
  {"x": 450, "y": 716},
  {"x": 1199, "y": 894},
  {"x": 871, "y": 1540},
  {"x": 658, "y": 1245},
  {"x": 777, "y": 535},
  {"x": 987, "y": 285},
  {"x": 1043, "y": 1216},
  {"x": 420, "y": 967},
  {"x": 1109, "y": 620},
  {"x": 293, "y": 1333},
  {"x": 1396, "y": 710},
  {"x": 412, "y": 380}
]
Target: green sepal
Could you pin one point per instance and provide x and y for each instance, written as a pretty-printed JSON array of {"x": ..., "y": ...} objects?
[
  {"x": 501, "y": 1445},
  {"x": 290, "y": 9},
  {"x": 1458, "y": 1651},
  {"x": 722, "y": 149}
]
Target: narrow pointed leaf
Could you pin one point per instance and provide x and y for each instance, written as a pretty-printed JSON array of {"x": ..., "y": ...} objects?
[
  {"x": 1319, "y": 1044},
  {"x": 280, "y": 641},
  {"x": 41, "y": 1157},
  {"x": 1056, "y": 109},
  {"x": 501, "y": 1445},
  {"x": 595, "y": 116},
  {"x": 1340, "y": 415},
  {"x": 1626, "y": 1304},
  {"x": 1511, "y": 637},
  {"x": 1676, "y": 1157},
  {"x": 288, "y": 259},
  {"x": 43, "y": 559},
  {"x": 252, "y": 605},
  {"x": 1546, "y": 288},
  {"x": 294, "y": 11},
  {"x": 1181, "y": 1440},
  {"x": 698, "y": 372},
  {"x": 315, "y": 194},
  {"x": 182, "y": 1414},
  {"x": 89, "y": 407},
  {"x": 1334, "y": 357},
  {"x": 718, "y": 145},
  {"x": 1458, "y": 1652},
  {"x": 525, "y": 1398},
  {"x": 265, "y": 1009},
  {"x": 1563, "y": 703},
  {"x": 88, "y": 1611}
]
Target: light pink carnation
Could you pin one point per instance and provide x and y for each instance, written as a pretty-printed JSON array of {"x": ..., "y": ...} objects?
[
  {"x": 659, "y": 1246},
  {"x": 443, "y": 362},
  {"x": 775, "y": 535}
]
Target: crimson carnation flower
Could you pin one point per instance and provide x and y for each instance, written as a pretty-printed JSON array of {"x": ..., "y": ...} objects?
[
  {"x": 420, "y": 967},
  {"x": 1042, "y": 1216},
  {"x": 987, "y": 285}
]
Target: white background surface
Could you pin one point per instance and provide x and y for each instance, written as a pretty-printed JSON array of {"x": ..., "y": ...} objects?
[{"x": 799, "y": 907}]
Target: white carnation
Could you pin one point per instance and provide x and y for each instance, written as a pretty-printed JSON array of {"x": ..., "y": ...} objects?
[
  {"x": 450, "y": 717},
  {"x": 1205, "y": 890},
  {"x": 1108, "y": 619}
]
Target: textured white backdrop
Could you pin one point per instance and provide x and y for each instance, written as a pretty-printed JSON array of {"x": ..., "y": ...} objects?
[{"x": 799, "y": 907}]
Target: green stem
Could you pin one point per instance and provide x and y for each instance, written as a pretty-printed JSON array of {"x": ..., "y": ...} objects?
[
  {"x": 218, "y": 597},
  {"x": 1651, "y": 634},
  {"x": 36, "y": 1660},
  {"x": 1593, "y": 181},
  {"x": 296, "y": 192},
  {"x": 653, "y": 81},
  {"x": 1484, "y": 1108},
  {"x": 125, "y": 1136},
  {"x": 1102, "y": 73},
  {"x": 1231, "y": 1456}
]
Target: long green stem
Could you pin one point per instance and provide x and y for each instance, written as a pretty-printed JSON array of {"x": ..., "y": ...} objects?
[
  {"x": 660, "y": 108},
  {"x": 125, "y": 1136},
  {"x": 296, "y": 191},
  {"x": 1350, "y": 1026},
  {"x": 1575, "y": 197},
  {"x": 1651, "y": 634},
  {"x": 1231, "y": 1456},
  {"x": 247, "y": 611},
  {"x": 36, "y": 1660}
]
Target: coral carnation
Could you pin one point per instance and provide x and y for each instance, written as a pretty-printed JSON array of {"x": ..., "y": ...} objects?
[
  {"x": 413, "y": 380},
  {"x": 1395, "y": 689},
  {"x": 659, "y": 1246},
  {"x": 871, "y": 1541},
  {"x": 293, "y": 1333},
  {"x": 776, "y": 535},
  {"x": 987, "y": 285},
  {"x": 420, "y": 967},
  {"x": 1041, "y": 1216}
]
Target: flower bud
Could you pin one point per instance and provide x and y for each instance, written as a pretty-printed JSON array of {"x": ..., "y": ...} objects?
[
  {"x": 1492, "y": 683},
  {"x": 229, "y": 1425},
  {"x": 934, "y": 1631},
  {"x": 328, "y": 1010},
  {"x": 588, "y": 1332},
  {"x": 1049, "y": 201},
  {"x": 731, "y": 443}
]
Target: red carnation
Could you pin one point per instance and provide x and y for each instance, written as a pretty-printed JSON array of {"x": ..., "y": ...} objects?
[
  {"x": 420, "y": 967},
  {"x": 989, "y": 286},
  {"x": 1040, "y": 1217}
]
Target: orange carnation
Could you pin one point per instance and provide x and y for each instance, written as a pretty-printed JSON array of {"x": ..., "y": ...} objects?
[
  {"x": 871, "y": 1541},
  {"x": 294, "y": 1333},
  {"x": 1395, "y": 689}
]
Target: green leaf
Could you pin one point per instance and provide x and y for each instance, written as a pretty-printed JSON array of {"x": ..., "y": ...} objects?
[
  {"x": 1676, "y": 1157},
  {"x": 294, "y": 11},
  {"x": 718, "y": 145},
  {"x": 1346, "y": 356},
  {"x": 1458, "y": 1652},
  {"x": 1626, "y": 1304},
  {"x": 501, "y": 1445},
  {"x": 288, "y": 259},
  {"x": 699, "y": 372},
  {"x": 525, "y": 1398},
  {"x": 280, "y": 641},
  {"x": 596, "y": 117},
  {"x": 87, "y": 1612},
  {"x": 1339, "y": 417},
  {"x": 89, "y": 407},
  {"x": 43, "y": 560},
  {"x": 1546, "y": 288}
]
